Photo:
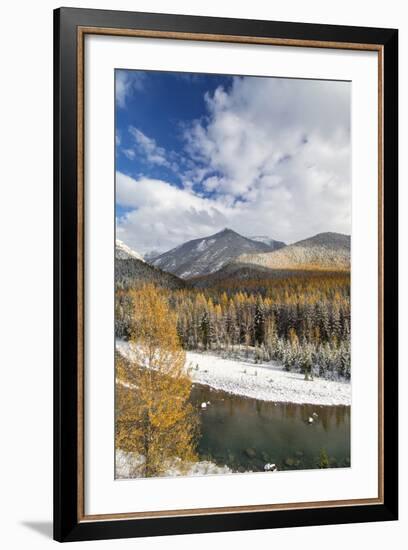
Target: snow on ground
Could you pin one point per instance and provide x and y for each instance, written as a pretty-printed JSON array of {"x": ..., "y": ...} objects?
[
  {"x": 267, "y": 381},
  {"x": 127, "y": 465}
]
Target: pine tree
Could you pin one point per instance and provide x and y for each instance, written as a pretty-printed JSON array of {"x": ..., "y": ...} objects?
[
  {"x": 205, "y": 330},
  {"x": 259, "y": 322},
  {"x": 286, "y": 315}
]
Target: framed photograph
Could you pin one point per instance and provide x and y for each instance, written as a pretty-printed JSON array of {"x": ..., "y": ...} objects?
[{"x": 225, "y": 274}]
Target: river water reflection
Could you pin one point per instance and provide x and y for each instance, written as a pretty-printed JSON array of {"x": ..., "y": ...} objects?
[{"x": 245, "y": 434}]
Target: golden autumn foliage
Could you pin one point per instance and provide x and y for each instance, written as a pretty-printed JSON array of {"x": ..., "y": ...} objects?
[
  {"x": 315, "y": 305},
  {"x": 154, "y": 417}
]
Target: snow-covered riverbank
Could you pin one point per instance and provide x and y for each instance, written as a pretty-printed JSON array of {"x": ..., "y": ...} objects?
[
  {"x": 267, "y": 381},
  {"x": 128, "y": 465}
]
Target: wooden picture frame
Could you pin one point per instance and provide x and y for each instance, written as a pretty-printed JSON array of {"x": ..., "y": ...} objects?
[{"x": 70, "y": 27}]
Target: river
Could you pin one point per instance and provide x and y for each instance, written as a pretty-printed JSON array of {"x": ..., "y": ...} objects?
[{"x": 245, "y": 434}]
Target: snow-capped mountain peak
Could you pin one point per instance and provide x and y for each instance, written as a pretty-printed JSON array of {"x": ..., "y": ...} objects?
[
  {"x": 124, "y": 252},
  {"x": 207, "y": 254},
  {"x": 267, "y": 240}
]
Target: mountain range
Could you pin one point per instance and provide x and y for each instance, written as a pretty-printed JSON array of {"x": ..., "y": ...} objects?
[
  {"x": 209, "y": 254},
  {"x": 228, "y": 255},
  {"x": 275, "y": 245},
  {"x": 323, "y": 251}
]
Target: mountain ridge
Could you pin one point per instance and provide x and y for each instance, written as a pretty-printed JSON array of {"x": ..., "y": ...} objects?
[
  {"x": 124, "y": 252},
  {"x": 275, "y": 245},
  {"x": 207, "y": 254},
  {"x": 131, "y": 272},
  {"x": 326, "y": 250}
]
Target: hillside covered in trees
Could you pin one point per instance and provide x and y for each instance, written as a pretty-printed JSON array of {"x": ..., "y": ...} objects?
[
  {"x": 176, "y": 334},
  {"x": 132, "y": 272},
  {"x": 301, "y": 320},
  {"x": 329, "y": 251}
]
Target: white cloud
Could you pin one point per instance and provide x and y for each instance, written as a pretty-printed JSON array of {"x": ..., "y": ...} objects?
[
  {"x": 148, "y": 147},
  {"x": 275, "y": 155},
  {"x": 281, "y": 134},
  {"x": 126, "y": 83},
  {"x": 163, "y": 215},
  {"x": 129, "y": 153},
  {"x": 151, "y": 151}
]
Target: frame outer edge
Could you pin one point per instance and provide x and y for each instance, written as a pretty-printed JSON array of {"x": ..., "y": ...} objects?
[
  {"x": 56, "y": 248},
  {"x": 66, "y": 506},
  {"x": 390, "y": 329},
  {"x": 65, "y": 290}
]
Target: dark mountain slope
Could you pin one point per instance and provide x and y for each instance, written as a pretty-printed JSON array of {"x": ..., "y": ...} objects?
[
  {"x": 132, "y": 272},
  {"x": 207, "y": 255}
]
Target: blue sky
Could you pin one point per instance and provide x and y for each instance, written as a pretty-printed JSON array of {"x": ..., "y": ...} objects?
[
  {"x": 159, "y": 105},
  {"x": 197, "y": 153}
]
